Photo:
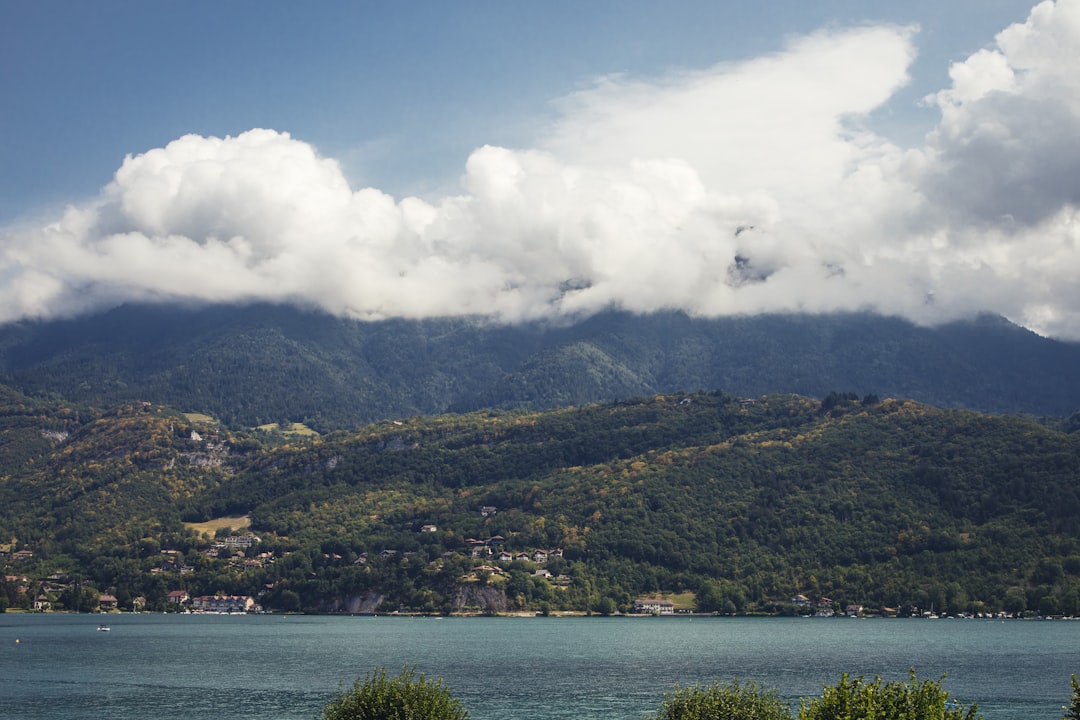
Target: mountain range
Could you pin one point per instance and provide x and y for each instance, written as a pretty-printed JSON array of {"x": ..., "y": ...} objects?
[
  {"x": 733, "y": 462},
  {"x": 257, "y": 364}
]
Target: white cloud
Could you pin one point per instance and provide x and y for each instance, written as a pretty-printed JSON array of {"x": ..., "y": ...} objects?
[{"x": 742, "y": 188}]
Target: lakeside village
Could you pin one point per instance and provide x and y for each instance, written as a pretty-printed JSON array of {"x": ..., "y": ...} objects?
[{"x": 59, "y": 592}]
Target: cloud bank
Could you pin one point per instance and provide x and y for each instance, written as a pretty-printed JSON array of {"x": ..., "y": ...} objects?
[{"x": 743, "y": 188}]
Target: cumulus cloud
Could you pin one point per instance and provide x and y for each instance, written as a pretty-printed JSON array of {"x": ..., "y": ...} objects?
[{"x": 741, "y": 188}]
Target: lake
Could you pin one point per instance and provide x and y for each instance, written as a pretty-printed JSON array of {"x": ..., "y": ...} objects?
[{"x": 158, "y": 667}]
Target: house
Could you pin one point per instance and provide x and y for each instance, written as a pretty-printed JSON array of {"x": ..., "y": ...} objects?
[
  {"x": 488, "y": 510},
  {"x": 241, "y": 541},
  {"x": 654, "y": 606},
  {"x": 505, "y": 557},
  {"x": 429, "y": 529},
  {"x": 853, "y": 610},
  {"x": 542, "y": 572},
  {"x": 800, "y": 600},
  {"x": 107, "y": 602},
  {"x": 41, "y": 603},
  {"x": 224, "y": 603},
  {"x": 539, "y": 557},
  {"x": 22, "y": 555},
  {"x": 178, "y": 597}
]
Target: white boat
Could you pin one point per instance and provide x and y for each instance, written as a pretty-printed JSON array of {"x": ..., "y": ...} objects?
[{"x": 103, "y": 628}]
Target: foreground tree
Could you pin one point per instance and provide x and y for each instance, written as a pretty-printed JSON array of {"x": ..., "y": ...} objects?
[
  {"x": 1073, "y": 711},
  {"x": 407, "y": 696},
  {"x": 723, "y": 701},
  {"x": 860, "y": 700}
]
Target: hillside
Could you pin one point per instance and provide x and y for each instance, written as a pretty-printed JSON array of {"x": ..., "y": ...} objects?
[
  {"x": 260, "y": 364},
  {"x": 741, "y": 503}
]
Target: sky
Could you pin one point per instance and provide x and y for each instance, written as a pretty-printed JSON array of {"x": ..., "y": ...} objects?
[{"x": 532, "y": 161}]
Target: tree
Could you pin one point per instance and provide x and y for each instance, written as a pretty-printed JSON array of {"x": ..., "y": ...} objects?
[
  {"x": 1073, "y": 711},
  {"x": 606, "y": 606},
  {"x": 723, "y": 701},
  {"x": 860, "y": 700},
  {"x": 405, "y": 697}
]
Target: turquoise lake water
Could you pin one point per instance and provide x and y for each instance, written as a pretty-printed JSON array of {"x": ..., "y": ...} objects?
[{"x": 151, "y": 667}]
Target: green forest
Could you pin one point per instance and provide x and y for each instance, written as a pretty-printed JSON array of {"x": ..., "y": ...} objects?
[
  {"x": 778, "y": 504},
  {"x": 258, "y": 364}
]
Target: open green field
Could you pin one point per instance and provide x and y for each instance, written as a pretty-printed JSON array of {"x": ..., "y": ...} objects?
[
  {"x": 210, "y": 527},
  {"x": 293, "y": 429}
]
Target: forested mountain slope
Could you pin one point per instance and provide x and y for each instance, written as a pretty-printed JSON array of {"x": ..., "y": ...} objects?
[
  {"x": 744, "y": 502},
  {"x": 258, "y": 364}
]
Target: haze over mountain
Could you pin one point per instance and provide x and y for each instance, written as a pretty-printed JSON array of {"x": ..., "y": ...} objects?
[{"x": 755, "y": 184}]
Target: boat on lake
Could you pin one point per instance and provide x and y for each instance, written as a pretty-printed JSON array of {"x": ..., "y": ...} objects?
[{"x": 103, "y": 628}]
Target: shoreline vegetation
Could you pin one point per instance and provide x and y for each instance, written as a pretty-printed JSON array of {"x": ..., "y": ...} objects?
[
  {"x": 555, "y": 614},
  {"x": 408, "y": 696}
]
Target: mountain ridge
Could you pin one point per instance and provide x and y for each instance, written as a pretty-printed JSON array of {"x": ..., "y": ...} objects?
[{"x": 250, "y": 365}]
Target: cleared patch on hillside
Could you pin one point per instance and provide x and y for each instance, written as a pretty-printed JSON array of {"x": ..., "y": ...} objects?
[
  {"x": 289, "y": 429},
  {"x": 200, "y": 418},
  {"x": 210, "y": 527}
]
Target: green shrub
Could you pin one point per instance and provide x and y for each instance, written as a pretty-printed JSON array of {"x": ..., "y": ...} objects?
[
  {"x": 860, "y": 700},
  {"x": 404, "y": 697},
  {"x": 1073, "y": 711},
  {"x": 723, "y": 701}
]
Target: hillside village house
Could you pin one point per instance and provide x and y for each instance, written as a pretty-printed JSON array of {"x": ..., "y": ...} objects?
[
  {"x": 107, "y": 602},
  {"x": 654, "y": 606},
  {"x": 224, "y": 603},
  {"x": 241, "y": 541},
  {"x": 178, "y": 597}
]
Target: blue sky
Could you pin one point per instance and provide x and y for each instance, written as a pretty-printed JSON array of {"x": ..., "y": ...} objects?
[
  {"x": 401, "y": 93},
  {"x": 643, "y": 131}
]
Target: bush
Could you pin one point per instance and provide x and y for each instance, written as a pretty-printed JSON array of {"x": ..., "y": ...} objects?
[
  {"x": 859, "y": 700},
  {"x": 405, "y": 697},
  {"x": 723, "y": 701},
  {"x": 1073, "y": 711}
]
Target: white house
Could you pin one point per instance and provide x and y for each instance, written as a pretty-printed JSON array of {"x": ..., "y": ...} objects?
[{"x": 654, "y": 606}]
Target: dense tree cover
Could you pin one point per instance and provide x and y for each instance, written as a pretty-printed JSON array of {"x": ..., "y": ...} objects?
[
  {"x": 259, "y": 364},
  {"x": 743, "y": 504}
]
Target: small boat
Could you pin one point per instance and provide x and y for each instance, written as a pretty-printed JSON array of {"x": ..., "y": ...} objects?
[{"x": 103, "y": 628}]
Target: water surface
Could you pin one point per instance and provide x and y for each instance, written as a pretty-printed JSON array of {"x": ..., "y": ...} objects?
[{"x": 151, "y": 667}]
